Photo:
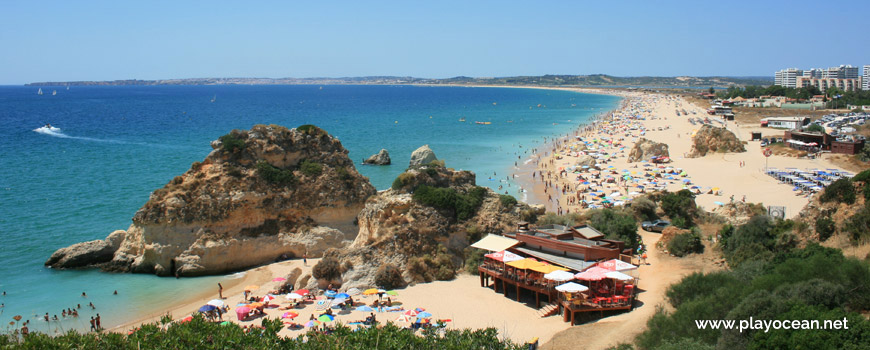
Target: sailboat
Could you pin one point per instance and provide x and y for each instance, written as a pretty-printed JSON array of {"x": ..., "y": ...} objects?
[
  {"x": 39, "y": 92},
  {"x": 67, "y": 87},
  {"x": 462, "y": 119},
  {"x": 214, "y": 98},
  {"x": 53, "y": 92}
]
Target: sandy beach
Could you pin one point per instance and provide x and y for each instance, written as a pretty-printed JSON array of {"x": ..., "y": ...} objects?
[{"x": 467, "y": 305}]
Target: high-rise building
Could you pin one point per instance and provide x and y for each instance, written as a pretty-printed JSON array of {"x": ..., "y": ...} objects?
[
  {"x": 787, "y": 77},
  {"x": 866, "y": 78},
  {"x": 813, "y": 73},
  {"x": 841, "y": 72}
]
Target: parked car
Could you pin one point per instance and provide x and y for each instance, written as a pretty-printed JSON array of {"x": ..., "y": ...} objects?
[{"x": 655, "y": 226}]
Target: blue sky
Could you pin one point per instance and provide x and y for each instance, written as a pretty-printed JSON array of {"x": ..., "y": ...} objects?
[{"x": 107, "y": 40}]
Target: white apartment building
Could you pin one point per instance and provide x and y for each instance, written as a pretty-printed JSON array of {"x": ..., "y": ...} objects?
[
  {"x": 787, "y": 77},
  {"x": 866, "y": 78}
]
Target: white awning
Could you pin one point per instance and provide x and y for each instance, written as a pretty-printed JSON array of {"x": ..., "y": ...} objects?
[{"x": 495, "y": 243}]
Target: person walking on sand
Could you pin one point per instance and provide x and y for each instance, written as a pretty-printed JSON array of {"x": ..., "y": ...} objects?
[
  {"x": 220, "y": 291},
  {"x": 93, "y": 324},
  {"x": 305, "y": 259}
]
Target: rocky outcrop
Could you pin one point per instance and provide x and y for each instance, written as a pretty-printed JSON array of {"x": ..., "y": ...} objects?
[
  {"x": 382, "y": 158},
  {"x": 645, "y": 149},
  {"x": 586, "y": 160},
  {"x": 422, "y": 155},
  {"x": 397, "y": 229},
  {"x": 711, "y": 139},
  {"x": 738, "y": 213},
  {"x": 261, "y": 194}
]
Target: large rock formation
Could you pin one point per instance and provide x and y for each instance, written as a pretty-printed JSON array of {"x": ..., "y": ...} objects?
[
  {"x": 259, "y": 195},
  {"x": 424, "y": 241},
  {"x": 422, "y": 155},
  {"x": 712, "y": 139},
  {"x": 382, "y": 158},
  {"x": 645, "y": 149},
  {"x": 586, "y": 160}
]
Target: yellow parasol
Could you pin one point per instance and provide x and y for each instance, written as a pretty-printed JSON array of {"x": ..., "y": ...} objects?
[{"x": 252, "y": 287}]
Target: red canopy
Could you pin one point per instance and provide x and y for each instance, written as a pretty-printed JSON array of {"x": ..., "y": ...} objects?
[
  {"x": 616, "y": 265},
  {"x": 594, "y": 273},
  {"x": 504, "y": 256}
]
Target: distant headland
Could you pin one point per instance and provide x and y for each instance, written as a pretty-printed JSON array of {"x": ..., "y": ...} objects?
[{"x": 543, "y": 80}]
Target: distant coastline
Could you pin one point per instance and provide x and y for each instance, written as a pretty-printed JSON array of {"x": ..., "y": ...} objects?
[{"x": 596, "y": 80}]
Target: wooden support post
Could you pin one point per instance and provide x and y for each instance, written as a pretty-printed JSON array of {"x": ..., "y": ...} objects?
[
  {"x": 518, "y": 291},
  {"x": 537, "y": 300},
  {"x": 572, "y": 317},
  {"x": 480, "y": 274}
]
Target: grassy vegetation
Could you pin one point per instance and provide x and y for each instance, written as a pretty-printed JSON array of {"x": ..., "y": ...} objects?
[
  {"x": 275, "y": 175},
  {"x": 200, "y": 334},
  {"x": 327, "y": 269},
  {"x": 463, "y": 206},
  {"x": 389, "y": 277},
  {"x": 686, "y": 243},
  {"x": 814, "y": 283},
  {"x": 615, "y": 224},
  {"x": 429, "y": 267},
  {"x": 311, "y": 168},
  {"x": 231, "y": 143},
  {"x": 507, "y": 201},
  {"x": 680, "y": 207},
  {"x": 312, "y": 130}
]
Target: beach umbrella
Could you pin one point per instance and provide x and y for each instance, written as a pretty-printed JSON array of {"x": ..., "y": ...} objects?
[
  {"x": 618, "y": 276},
  {"x": 330, "y": 294},
  {"x": 302, "y": 292},
  {"x": 279, "y": 279},
  {"x": 342, "y": 296},
  {"x": 207, "y": 308},
  {"x": 616, "y": 265},
  {"x": 572, "y": 287},
  {"x": 719, "y": 203},
  {"x": 186, "y": 319},
  {"x": 267, "y": 298},
  {"x": 252, "y": 287},
  {"x": 594, "y": 273},
  {"x": 559, "y": 276},
  {"x": 370, "y": 291},
  {"x": 403, "y": 318},
  {"x": 337, "y": 301},
  {"x": 293, "y": 296},
  {"x": 290, "y": 314},
  {"x": 365, "y": 308},
  {"x": 411, "y": 313},
  {"x": 424, "y": 314},
  {"x": 312, "y": 323},
  {"x": 326, "y": 318},
  {"x": 255, "y": 305},
  {"x": 392, "y": 292},
  {"x": 242, "y": 312},
  {"x": 217, "y": 302},
  {"x": 715, "y": 189}
]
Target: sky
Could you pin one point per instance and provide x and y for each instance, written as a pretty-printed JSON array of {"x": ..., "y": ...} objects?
[{"x": 53, "y": 40}]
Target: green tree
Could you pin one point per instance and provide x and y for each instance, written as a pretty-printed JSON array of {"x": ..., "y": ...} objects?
[{"x": 615, "y": 224}]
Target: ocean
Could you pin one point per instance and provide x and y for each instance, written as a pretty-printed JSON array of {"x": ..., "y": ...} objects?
[{"x": 116, "y": 144}]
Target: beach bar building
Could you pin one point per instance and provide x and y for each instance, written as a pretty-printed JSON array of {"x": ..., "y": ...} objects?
[{"x": 544, "y": 259}]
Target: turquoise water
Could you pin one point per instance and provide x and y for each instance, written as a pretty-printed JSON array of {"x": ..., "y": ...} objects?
[{"x": 117, "y": 144}]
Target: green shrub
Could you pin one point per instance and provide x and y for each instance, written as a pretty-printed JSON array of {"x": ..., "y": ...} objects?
[
  {"x": 615, "y": 224},
  {"x": 389, "y": 277},
  {"x": 473, "y": 232},
  {"x": 343, "y": 174},
  {"x": 680, "y": 205},
  {"x": 686, "y": 243},
  {"x": 312, "y": 130},
  {"x": 463, "y": 206},
  {"x": 275, "y": 175},
  {"x": 825, "y": 228},
  {"x": 438, "y": 163},
  {"x": 428, "y": 267},
  {"x": 863, "y": 176},
  {"x": 310, "y": 168},
  {"x": 473, "y": 259},
  {"x": 644, "y": 208},
  {"x": 327, "y": 269},
  {"x": 507, "y": 201},
  {"x": 841, "y": 191},
  {"x": 231, "y": 143},
  {"x": 402, "y": 180},
  {"x": 233, "y": 171},
  {"x": 195, "y": 166},
  {"x": 858, "y": 226},
  {"x": 550, "y": 218}
]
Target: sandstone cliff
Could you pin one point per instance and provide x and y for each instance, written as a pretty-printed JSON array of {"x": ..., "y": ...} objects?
[
  {"x": 645, "y": 149},
  {"x": 401, "y": 227},
  {"x": 259, "y": 195},
  {"x": 712, "y": 139}
]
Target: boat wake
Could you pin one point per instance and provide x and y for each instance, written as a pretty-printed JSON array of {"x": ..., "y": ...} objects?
[{"x": 56, "y": 132}]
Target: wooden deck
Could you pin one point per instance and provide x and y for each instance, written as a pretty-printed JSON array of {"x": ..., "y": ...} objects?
[
  {"x": 506, "y": 282},
  {"x": 501, "y": 282}
]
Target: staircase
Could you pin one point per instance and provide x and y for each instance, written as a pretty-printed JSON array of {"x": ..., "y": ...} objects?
[{"x": 548, "y": 310}]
